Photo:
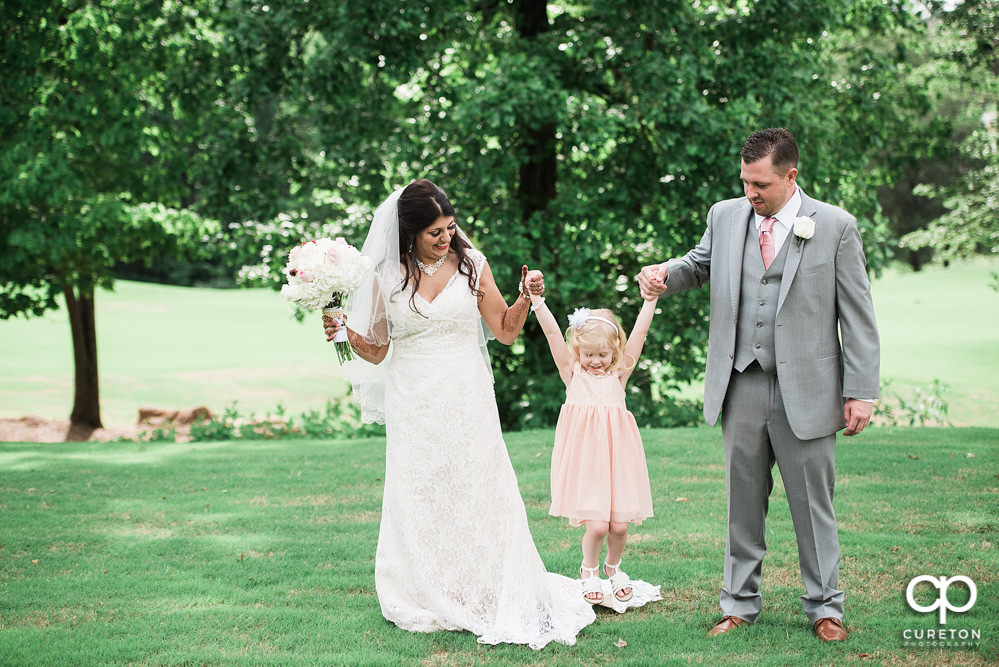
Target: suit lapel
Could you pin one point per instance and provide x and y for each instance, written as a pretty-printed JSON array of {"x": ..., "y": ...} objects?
[
  {"x": 737, "y": 246},
  {"x": 807, "y": 209}
]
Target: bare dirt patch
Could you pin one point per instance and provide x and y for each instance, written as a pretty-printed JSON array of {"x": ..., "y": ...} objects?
[{"x": 32, "y": 428}]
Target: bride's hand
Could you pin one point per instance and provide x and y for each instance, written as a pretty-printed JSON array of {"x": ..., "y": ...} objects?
[{"x": 331, "y": 326}]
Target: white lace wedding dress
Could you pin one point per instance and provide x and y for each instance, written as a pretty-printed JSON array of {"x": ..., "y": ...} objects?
[{"x": 454, "y": 549}]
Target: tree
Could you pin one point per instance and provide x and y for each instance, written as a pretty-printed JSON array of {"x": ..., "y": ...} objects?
[
  {"x": 590, "y": 139},
  {"x": 645, "y": 107},
  {"x": 83, "y": 188},
  {"x": 585, "y": 139},
  {"x": 969, "y": 223},
  {"x": 130, "y": 127}
]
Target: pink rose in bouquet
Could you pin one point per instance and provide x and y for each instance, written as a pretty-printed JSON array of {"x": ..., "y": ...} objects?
[{"x": 321, "y": 275}]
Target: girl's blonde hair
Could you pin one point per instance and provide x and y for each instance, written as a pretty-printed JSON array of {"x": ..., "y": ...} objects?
[{"x": 597, "y": 333}]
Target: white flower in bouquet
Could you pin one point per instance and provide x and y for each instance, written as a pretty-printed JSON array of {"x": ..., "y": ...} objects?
[{"x": 321, "y": 274}]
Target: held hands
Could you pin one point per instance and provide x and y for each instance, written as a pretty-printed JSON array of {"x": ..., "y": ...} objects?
[
  {"x": 531, "y": 282},
  {"x": 652, "y": 281},
  {"x": 857, "y": 415}
]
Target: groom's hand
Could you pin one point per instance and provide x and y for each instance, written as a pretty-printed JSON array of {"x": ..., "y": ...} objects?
[
  {"x": 652, "y": 280},
  {"x": 857, "y": 415}
]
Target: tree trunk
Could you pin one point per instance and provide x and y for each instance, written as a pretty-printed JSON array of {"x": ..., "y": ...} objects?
[
  {"x": 537, "y": 175},
  {"x": 86, "y": 398}
]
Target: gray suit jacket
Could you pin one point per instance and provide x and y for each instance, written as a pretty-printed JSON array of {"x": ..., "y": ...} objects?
[{"x": 825, "y": 293}]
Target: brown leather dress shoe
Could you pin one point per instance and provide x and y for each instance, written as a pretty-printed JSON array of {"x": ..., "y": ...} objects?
[
  {"x": 830, "y": 629},
  {"x": 727, "y": 623}
]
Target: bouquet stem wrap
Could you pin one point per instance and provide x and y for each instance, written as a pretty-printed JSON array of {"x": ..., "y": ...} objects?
[{"x": 335, "y": 310}]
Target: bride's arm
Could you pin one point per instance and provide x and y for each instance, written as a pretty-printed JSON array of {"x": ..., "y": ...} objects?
[
  {"x": 504, "y": 321},
  {"x": 364, "y": 348}
]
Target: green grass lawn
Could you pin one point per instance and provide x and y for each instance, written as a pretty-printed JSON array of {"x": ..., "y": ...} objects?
[
  {"x": 262, "y": 553},
  {"x": 943, "y": 323},
  {"x": 175, "y": 347}
]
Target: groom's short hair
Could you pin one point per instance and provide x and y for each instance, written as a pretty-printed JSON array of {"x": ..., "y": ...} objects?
[{"x": 777, "y": 142}]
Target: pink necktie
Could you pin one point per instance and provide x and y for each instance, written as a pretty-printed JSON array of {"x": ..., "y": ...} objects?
[{"x": 767, "y": 241}]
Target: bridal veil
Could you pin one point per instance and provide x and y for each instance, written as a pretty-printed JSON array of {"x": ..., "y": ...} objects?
[{"x": 368, "y": 314}]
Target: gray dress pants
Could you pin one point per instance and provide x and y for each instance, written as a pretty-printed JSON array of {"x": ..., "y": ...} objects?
[{"x": 756, "y": 433}]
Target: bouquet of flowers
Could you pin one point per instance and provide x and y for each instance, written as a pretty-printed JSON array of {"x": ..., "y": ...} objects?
[{"x": 322, "y": 274}]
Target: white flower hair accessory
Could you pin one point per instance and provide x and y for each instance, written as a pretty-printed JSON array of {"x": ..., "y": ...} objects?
[
  {"x": 578, "y": 318},
  {"x": 581, "y": 316},
  {"x": 804, "y": 228}
]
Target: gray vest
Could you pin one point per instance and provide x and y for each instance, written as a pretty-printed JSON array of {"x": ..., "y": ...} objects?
[{"x": 754, "y": 336}]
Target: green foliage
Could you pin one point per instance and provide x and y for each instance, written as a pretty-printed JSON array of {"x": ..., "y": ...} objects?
[
  {"x": 945, "y": 119},
  {"x": 84, "y": 129},
  {"x": 971, "y": 224},
  {"x": 217, "y": 428},
  {"x": 83, "y": 188},
  {"x": 645, "y": 109},
  {"x": 166, "y": 433},
  {"x": 339, "y": 419},
  {"x": 584, "y": 140},
  {"x": 927, "y": 407},
  {"x": 965, "y": 218}
]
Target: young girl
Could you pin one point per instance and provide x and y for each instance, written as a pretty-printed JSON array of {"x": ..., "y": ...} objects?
[{"x": 598, "y": 477}]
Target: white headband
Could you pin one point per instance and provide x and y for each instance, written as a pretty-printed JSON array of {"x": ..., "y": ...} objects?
[{"x": 581, "y": 316}]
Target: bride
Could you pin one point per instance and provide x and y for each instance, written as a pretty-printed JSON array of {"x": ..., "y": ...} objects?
[{"x": 454, "y": 549}]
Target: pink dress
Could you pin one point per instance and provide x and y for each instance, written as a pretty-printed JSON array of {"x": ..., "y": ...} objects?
[{"x": 598, "y": 465}]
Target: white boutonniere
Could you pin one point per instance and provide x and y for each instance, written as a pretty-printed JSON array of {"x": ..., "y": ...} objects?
[{"x": 804, "y": 228}]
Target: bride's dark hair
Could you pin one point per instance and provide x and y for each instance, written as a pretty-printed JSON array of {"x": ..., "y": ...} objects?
[{"x": 420, "y": 204}]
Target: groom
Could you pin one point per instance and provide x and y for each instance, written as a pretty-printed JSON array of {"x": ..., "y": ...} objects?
[{"x": 793, "y": 357}]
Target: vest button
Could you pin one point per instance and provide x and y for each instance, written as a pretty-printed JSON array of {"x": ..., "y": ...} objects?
[
  {"x": 759, "y": 324},
  {"x": 764, "y": 281}
]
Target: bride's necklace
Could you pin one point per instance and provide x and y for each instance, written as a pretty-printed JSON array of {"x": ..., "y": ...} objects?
[{"x": 431, "y": 269}]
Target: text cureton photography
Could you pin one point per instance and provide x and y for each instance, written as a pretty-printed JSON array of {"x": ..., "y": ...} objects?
[{"x": 925, "y": 601}]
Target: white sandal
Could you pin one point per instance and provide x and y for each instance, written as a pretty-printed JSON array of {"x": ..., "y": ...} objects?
[
  {"x": 591, "y": 584},
  {"x": 619, "y": 582}
]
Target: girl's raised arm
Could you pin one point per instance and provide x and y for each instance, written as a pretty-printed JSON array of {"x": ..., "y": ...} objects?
[
  {"x": 560, "y": 353},
  {"x": 636, "y": 341}
]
